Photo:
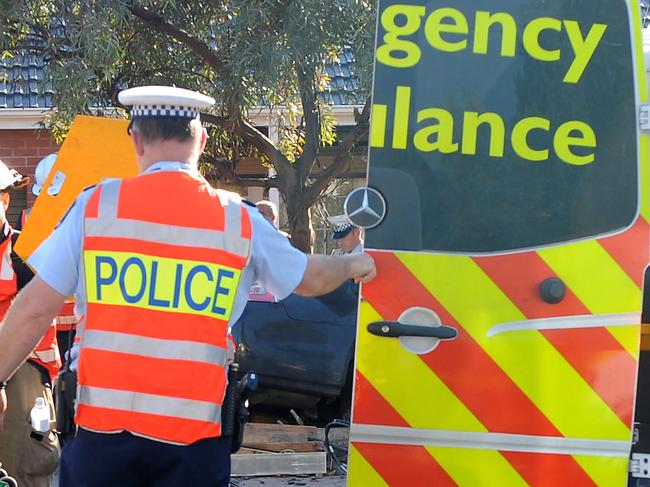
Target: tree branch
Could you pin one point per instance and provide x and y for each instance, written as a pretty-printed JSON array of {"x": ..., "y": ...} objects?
[
  {"x": 343, "y": 156},
  {"x": 194, "y": 43},
  {"x": 312, "y": 123},
  {"x": 225, "y": 172},
  {"x": 261, "y": 142}
]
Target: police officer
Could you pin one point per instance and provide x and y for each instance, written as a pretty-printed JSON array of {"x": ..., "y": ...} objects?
[
  {"x": 161, "y": 264},
  {"x": 349, "y": 239}
]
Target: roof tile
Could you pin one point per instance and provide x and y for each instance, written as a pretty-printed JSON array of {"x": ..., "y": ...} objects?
[{"x": 24, "y": 88}]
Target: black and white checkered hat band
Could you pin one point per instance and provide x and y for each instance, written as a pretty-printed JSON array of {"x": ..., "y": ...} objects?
[{"x": 142, "y": 111}]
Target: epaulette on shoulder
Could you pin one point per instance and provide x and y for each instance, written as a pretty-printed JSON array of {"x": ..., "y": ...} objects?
[
  {"x": 249, "y": 203},
  {"x": 74, "y": 203}
]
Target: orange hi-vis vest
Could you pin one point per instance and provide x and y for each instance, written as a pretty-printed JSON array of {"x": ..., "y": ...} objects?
[
  {"x": 162, "y": 253},
  {"x": 46, "y": 352},
  {"x": 66, "y": 320},
  {"x": 8, "y": 279}
]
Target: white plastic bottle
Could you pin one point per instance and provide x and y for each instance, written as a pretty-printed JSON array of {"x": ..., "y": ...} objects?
[{"x": 40, "y": 416}]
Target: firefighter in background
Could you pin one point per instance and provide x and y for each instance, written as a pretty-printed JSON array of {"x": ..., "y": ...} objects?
[
  {"x": 30, "y": 458},
  {"x": 66, "y": 322},
  {"x": 167, "y": 262},
  {"x": 43, "y": 170}
]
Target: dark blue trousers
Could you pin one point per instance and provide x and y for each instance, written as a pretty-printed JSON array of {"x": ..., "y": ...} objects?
[{"x": 125, "y": 460}]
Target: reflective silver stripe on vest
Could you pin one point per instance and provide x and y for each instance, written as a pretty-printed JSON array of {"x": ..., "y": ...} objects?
[
  {"x": 65, "y": 320},
  {"x": 108, "y": 198},
  {"x": 150, "y": 404},
  {"x": 232, "y": 213},
  {"x": 46, "y": 356},
  {"x": 154, "y": 347},
  {"x": 107, "y": 224},
  {"x": 6, "y": 266}
]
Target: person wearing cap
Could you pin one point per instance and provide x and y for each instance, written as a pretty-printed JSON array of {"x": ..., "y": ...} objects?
[
  {"x": 66, "y": 321},
  {"x": 30, "y": 458},
  {"x": 161, "y": 265},
  {"x": 349, "y": 239}
]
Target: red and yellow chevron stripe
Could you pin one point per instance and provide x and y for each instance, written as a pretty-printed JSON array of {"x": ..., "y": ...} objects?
[{"x": 569, "y": 383}]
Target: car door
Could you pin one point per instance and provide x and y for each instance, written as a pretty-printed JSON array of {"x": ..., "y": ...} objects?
[{"x": 498, "y": 345}]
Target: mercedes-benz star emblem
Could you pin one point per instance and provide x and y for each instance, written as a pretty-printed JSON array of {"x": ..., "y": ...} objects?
[{"x": 365, "y": 207}]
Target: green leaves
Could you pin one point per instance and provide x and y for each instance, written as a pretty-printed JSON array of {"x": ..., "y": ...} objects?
[
  {"x": 245, "y": 53},
  {"x": 98, "y": 46}
]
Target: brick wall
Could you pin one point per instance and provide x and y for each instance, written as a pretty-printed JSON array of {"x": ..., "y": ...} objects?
[{"x": 22, "y": 149}]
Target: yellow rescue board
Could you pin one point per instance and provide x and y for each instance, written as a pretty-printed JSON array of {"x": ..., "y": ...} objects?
[{"x": 95, "y": 148}]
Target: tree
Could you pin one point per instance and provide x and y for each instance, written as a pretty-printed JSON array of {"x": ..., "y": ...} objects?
[{"x": 245, "y": 53}]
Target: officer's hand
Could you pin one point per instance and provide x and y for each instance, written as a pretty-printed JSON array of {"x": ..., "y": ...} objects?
[
  {"x": 3, "y": 408},
  {"x": 362, "y": 268}
]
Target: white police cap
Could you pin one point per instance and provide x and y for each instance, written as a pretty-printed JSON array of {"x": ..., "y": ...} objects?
[
  {"x": 336, "y": 220},
  {"x": 341, "y": 226},
  {"x": 164, "y": 101}
]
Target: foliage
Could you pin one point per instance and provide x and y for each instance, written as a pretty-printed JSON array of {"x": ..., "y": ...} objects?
[{"x": 245, "y": 53}]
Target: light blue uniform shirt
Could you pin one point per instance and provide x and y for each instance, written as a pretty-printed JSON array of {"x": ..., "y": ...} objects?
[{"x": 274, "y": 262}]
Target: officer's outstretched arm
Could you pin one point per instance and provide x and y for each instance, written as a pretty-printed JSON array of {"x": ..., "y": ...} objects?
[
  {"x": 26, "y": 322},
  {"x": 325, "y": 273}
]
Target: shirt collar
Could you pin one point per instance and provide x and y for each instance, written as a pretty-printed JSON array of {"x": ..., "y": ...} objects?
[{"x": 170, "y": 166}]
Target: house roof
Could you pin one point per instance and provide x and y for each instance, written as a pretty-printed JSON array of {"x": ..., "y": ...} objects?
[
  {"x": 22, "y": 82},
  {"x": 343, "y": 87}
]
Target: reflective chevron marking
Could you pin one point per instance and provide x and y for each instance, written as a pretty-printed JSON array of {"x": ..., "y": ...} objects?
[
  {"x": 387, "y": 294},
  {"x": 411, "y": 466},
  {"x": 405, "y": 380},
  {"x": 551, "y": 381},
  {"x": 371, "y": 407},
  {"x": 361, "y": 473},
  {"x": 599, "y": 283},
  {"x": 595, "y": 354},
  {"x": 480, "y": 396},
  {"x": 618, "y": 246}
]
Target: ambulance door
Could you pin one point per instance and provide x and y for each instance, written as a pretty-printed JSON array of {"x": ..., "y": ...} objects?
[{"x": 507, "y": 213}]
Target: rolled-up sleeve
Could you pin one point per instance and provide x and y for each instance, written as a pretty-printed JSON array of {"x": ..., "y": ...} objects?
[{"x": 57, "y": 259}]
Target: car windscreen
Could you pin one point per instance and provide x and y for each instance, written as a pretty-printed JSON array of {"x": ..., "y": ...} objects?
[{"x": 482, "y": 152}]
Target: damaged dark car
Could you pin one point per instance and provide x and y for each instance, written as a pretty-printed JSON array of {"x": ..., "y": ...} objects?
[{"x": 302, "y": 350}]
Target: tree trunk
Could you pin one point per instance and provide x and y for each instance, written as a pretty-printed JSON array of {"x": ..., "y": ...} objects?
[{"x": 300, "y": 228}]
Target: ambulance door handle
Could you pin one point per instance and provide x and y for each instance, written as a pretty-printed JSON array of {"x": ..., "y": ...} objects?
[{"x": 395, "y": 329}]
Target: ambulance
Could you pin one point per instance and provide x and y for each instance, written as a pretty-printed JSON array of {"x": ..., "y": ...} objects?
[{"x": 507, "y": 210}]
